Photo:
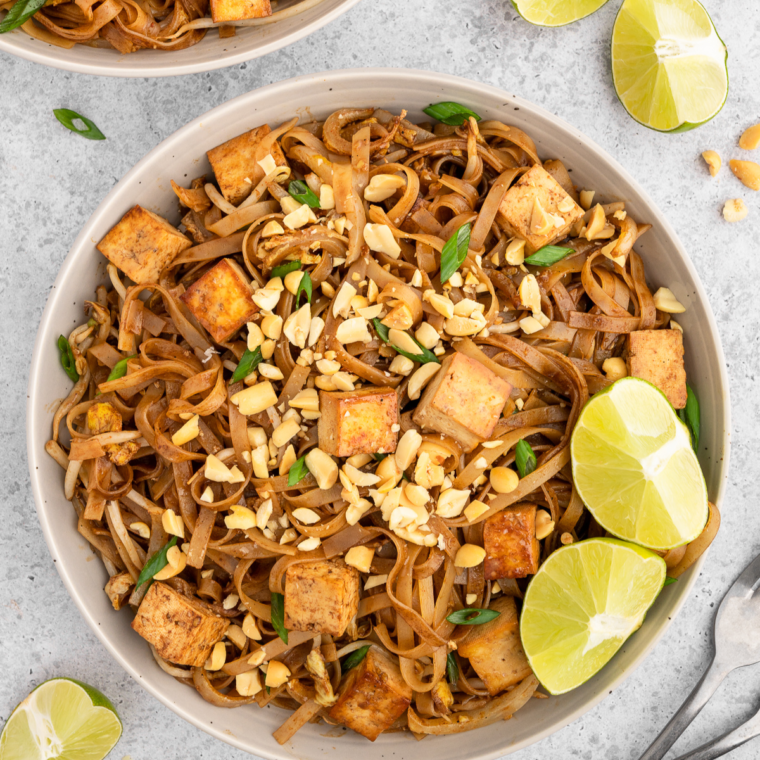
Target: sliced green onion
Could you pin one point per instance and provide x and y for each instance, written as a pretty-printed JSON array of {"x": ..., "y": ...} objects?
[
  {"x": 452, "y": 668},
  {"x": 22, "y": 11},
  {"x": 278, "y": 616},
  {"x": 120, "y": 369},
  {"x": 472, "y": 616},
  {"x": 304, "y": 287},
  {"x": 155, "y": 564},
  {"x": 690, "y": 416},
  {"x": 669, "y": 580},
  {"x": 525, "y": 458},
  {"x": 67, "y": 118},
  {"x": 298, "y": 471},
  {"x": 353, "y": 659},
  {"x": 303, "y": 193},
  {"x": 248, "y": 362},
  {"x": 450, "y": 113},
  {"x": 67, "y": 359},
  {"x": 424, "y": 357},
  {"x": 455, "y": 252},
  {"x": 282, "y": 269},
  {"x": 548, "y": 255}
]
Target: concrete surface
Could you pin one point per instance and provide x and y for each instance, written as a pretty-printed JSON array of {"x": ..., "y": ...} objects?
[{"x": 53, "y": 180}]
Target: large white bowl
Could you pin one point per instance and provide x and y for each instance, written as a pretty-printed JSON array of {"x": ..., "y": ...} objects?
[
  {"x": 148, "y": 184},
  {"x": 209, "y": 54}
]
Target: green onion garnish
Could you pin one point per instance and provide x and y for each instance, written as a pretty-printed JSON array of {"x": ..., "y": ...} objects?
[
  {"x": 690, "y": 416},
  {"x": 282, "y": 269},
  {"x": 455, "y": 252},
  {"x": 424, "y": 357},
  {"x": 22, "y": 11},
  {"x": 472, "y": 616},
  {"x": 67, "y": 358},
  {"x": 67, "y": 118},
  {"x": 353, "y": 659},
  {"x": 156, "y": 563},
  {"x": 248, "y": 362},
  {"x": 450, "y": 113},
  {"x": 548, "y": 255},
  {"x": 278, "y": 616},
  {"x": 303, "y": 193},
  {"x": 298, "y": 471},
  {"x": 120, "y": 369},
  {"x": 304, "y": 287},
  {"x": 525, "y": 458}
]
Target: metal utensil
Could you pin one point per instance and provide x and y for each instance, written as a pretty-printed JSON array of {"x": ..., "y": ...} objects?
[
  {"x": 727, "y": 742},
  {"x": 736, "y": 643}
]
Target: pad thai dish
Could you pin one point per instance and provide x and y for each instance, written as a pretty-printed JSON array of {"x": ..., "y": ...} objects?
[
  {"x": 320, "y": 432},
  {"x": 129, "y": 25}
]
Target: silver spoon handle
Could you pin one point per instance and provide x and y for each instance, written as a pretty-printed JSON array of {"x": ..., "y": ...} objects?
[
  {"x": 727, "y": 742},
  {"x": 689, "y": 710}
]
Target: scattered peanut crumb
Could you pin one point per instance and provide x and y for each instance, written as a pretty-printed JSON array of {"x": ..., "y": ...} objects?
[
  {"x": 735, "y": 210},
  {"x": 713, "y": 161}
]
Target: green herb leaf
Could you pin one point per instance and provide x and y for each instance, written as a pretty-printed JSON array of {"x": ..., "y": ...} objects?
[
  {"x": 298, "y": 471},
  {"x": 525, "y": 459},
  {"x": 304, "y": 287},
  {"x": 353, "y": 659},
  {"x": 120, "y": 368},
  {"x": 424, "y": 357},
  {"x": 269, "y": 689},
  {"x": 450, "y": 113},
  {"x": 548, "y": 255},
  {"x": 22, "y": 11},
  {"x": 303, "y": 193},
  {"x": 472, "y": 616},
  {"x": 67, "y": 117},
  {"x": 157, "y": 562},
  {"x": 669, "y": 580},
  {"x": 452, "y": 668},
  {"x": 286, "y": 268},
  {"x": 278, "y": 616},
  {"x": 690, "y": 416},
  {"x": 248, "y": 362},
  {"x": 67, "y": 357},
  {"x": 455, "y": 252}
]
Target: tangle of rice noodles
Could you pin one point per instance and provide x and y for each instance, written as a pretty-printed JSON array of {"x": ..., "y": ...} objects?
[{"x": 123, "y": 480}]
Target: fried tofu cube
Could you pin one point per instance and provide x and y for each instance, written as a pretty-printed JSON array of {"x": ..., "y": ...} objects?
[
  {"x": 181, "y": 630},
  {"x": 221, "y": 300},
  {"x": 516, "y": 209},
  {"x": 142, "y": 244},
  {"x": 358, "y": 422},
  {"x": 372, "y": 696},
  {"x": 237, "y": 10},
  {"x": 657, "y": 356},
  {"x": 321, "y": 596},
  {"x": 494, "y": 649},
  {"x": 509, "y": 538},
  {"x": 464, "y": 400},
  {"x": 234, "y": 162},
  {"x": 118, "y": 588}
]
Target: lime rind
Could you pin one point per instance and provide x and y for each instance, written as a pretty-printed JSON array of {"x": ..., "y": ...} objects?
[
  {"x": 634, "y": 467},
  {"x": 71, "y": 720},
  {"x": 583, "y": 604},
  {"x": 556, "y": 13},
  {"x": 648, "y": 85}
]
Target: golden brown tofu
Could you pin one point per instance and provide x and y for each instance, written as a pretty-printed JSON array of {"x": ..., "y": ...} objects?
[
  {"x": 494, "y": 649},
  {"x": 181, "y": 630},
  {"x": 321, "y": 596},
  {"x": 142, "y": 244},
  {"x": 103, "y": 418},
  {"x": 372, "y": 696},
  {"x": 464, "y": 400},
  {"x": 509, "y": 538},
  {"x": 358, "y": 422},
  {"x": 516, "y": 210},
  {"x": 221, "y": 300},
  {"x": 234, "y": 162},
  {"x": 657, "y": 356},
  {"x": 237, "y": 10},
  {"x": 118, "y": 588}
]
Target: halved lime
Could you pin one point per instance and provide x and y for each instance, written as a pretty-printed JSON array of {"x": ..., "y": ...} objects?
[
  {"x": 668, "y": 63},
  {"x": 556, "y": 12},
  {"x": 582, "y": 604},
  {"x": 635, "y": 469},
  {"x": 61, "y": 718}
]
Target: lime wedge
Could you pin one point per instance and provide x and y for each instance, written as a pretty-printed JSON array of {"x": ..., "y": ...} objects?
[
  {"x": 556, "y": 12},
  {"x": 61, "y": 718},
  {"x": 582, "y": 604},
  {"x": 635, "y": 469},
  {"x": 668, "y": 64}
]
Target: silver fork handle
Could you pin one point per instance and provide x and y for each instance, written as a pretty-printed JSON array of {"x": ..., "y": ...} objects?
[
  {"x": 727, "y": 742},
  {"x": 689, "y": 710}
]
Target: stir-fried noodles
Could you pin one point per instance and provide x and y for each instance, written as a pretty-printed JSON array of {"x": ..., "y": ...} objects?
[{"x": 322, "y": 455}]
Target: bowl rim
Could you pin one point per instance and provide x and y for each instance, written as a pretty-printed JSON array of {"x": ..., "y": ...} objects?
[
  {"x": 50, "y": 55},
  {"x": 431, "y": 80}
]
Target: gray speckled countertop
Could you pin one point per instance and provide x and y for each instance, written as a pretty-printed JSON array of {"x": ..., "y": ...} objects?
[{"x": 52, "y": 181}]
